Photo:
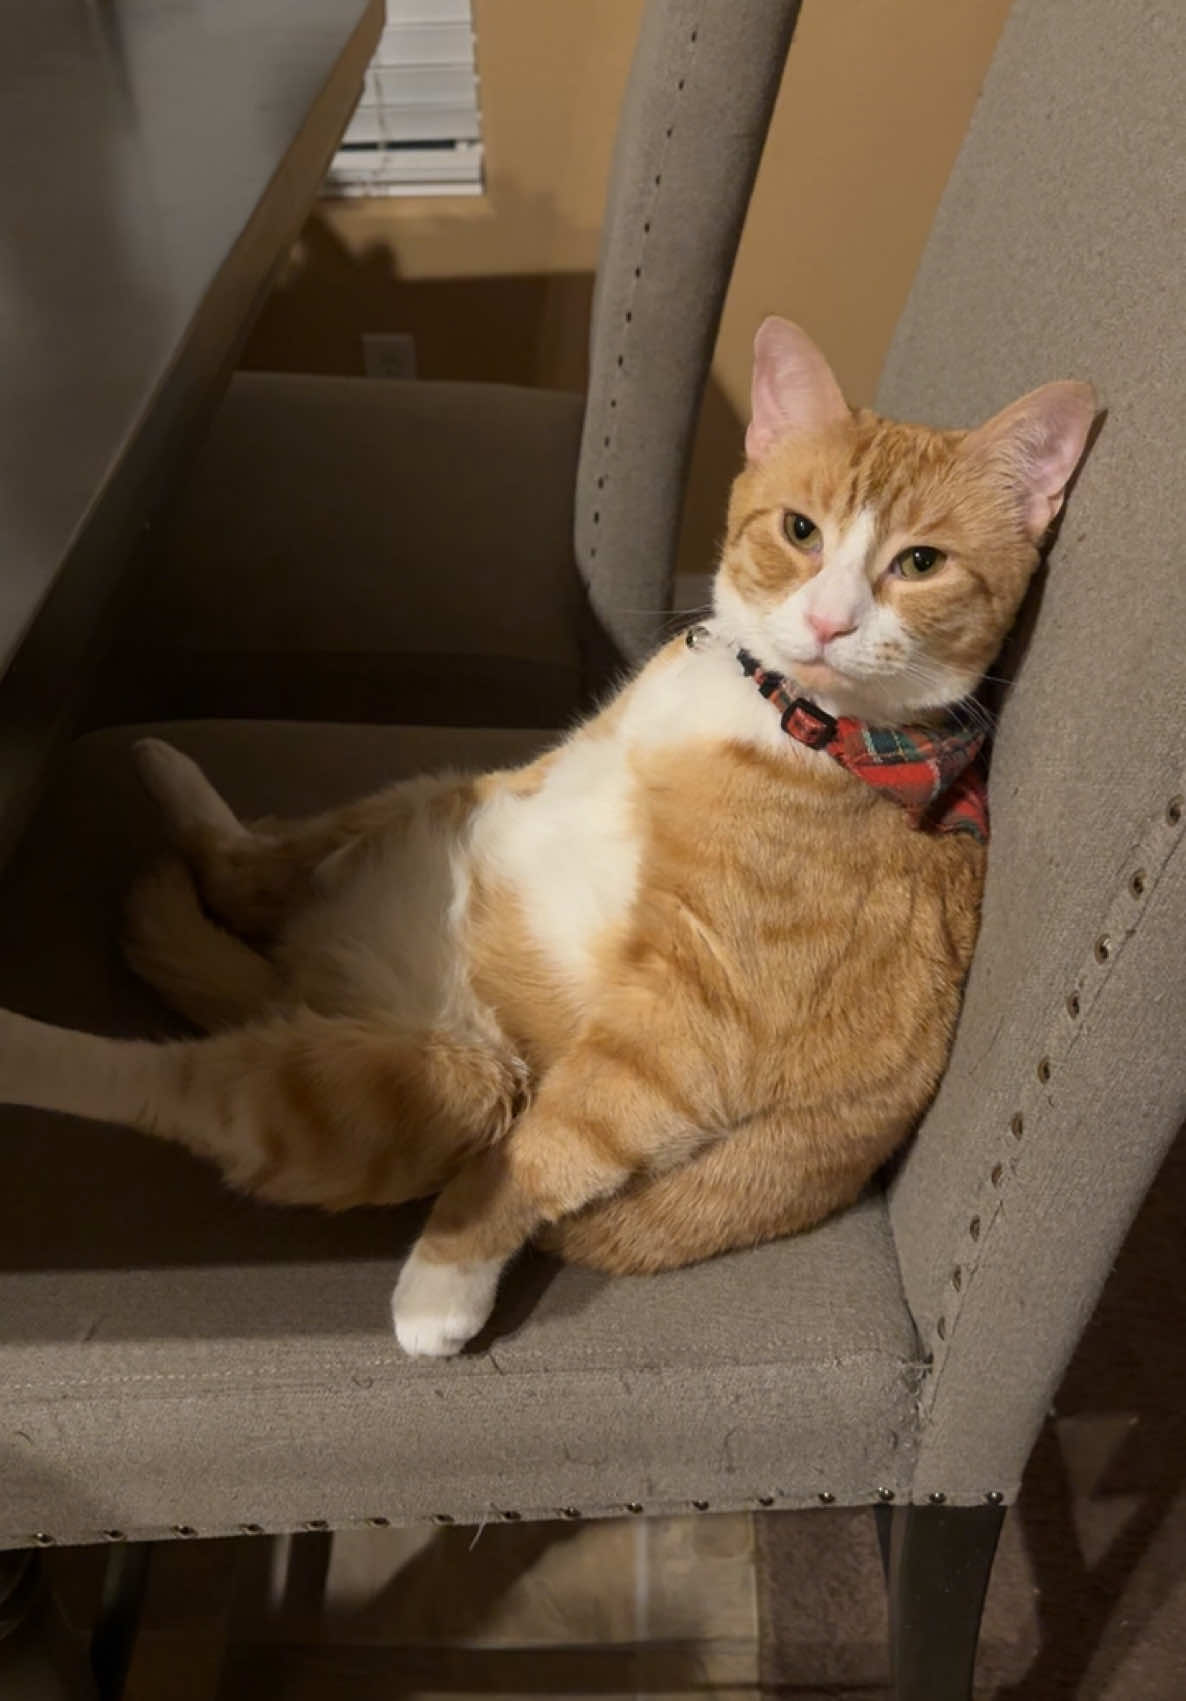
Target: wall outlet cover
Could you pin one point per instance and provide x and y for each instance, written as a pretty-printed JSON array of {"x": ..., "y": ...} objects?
[{"x": 388, "y": 354}]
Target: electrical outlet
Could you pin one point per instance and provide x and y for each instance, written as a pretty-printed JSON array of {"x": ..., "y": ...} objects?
[{"x": 388, "y": 354}]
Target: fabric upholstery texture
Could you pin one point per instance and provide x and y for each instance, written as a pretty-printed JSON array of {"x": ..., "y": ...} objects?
[
  {"x": 702, "y": 87},
  {"x": 174, "y": 1356},
  {"x": 1048, "y": 259},
  {"x": 354, "y": 548}
]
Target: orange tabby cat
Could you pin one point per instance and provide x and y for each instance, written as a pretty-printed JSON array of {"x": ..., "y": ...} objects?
[{"x": 681, "y": 984}]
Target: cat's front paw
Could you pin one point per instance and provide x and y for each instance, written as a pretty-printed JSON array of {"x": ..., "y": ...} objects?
[{"x": 437, "y": 1308}]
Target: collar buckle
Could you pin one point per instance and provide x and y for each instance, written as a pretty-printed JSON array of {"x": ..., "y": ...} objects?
[{"x": 808, "y": 724}]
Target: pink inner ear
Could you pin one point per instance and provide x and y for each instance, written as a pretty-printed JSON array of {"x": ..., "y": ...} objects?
[
  {"x": 793, "y": 389},
  {"x": 1043, "y": 437}
]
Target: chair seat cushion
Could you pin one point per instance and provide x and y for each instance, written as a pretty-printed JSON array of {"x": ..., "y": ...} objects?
[
  {"x": 350, "y": 548},
  {"x": 172, "y": 1355}
]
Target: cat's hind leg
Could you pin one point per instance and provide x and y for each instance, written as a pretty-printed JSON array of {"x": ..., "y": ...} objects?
[
  {"x": 250, "y": 879},
  {"x": 210, "y": 976},
  {"x": 301, "y": 1109}
]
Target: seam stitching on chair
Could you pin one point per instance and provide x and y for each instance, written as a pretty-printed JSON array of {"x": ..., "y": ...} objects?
[
  {"x": 197, "y": 1380},
  {"x": 618, "y": 356},
  {"x": 1124, "y": 913}
]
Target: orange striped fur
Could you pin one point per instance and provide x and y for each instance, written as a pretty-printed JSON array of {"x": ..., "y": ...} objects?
[{"x": 676, "y": 987}]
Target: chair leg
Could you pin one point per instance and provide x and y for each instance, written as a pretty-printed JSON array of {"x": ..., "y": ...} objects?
[
  {"x": 940, "y": 1561},
  {"x": 114, "y": 1638}
]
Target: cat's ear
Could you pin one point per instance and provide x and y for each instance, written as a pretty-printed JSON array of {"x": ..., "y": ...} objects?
[
  {"x": 793, "y": 387},
  {"x": 1040, "y": 440}
]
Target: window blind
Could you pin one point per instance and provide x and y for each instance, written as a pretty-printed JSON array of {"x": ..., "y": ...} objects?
[{"x": 417, "y": 127}]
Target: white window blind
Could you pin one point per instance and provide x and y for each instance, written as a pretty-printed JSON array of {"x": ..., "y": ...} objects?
[{"x": 417, "y": 127}]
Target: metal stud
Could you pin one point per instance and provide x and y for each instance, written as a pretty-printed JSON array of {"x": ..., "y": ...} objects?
[
  {"x": 765, "y": 1500},
  {"x": 974, "y": 1228},
  {"x": 826, "y": 1497},
  {"x": 941, "y": 1328},
  {"x": 43, "y": 1538},
  {"x": 251, "y": 1529},
  {"x": 635, "y": 1507},
  {"x": 700, "y": 1505},
  {"x": 316, "y": 1524},
  {"x": 1103, "y": 948},
  {"x": 937, "y": 1498},
  {"x": 184, "y": 1530},
  {"x": 378, "y": 1522},
  {"x": 114, "y": 1536},
  {"x": 442, "y": 1518},
  {"x": 1173, "y": 810},
  {"x": 1073, "y": 1006},
  {"x": 572, "y": 1512},
  {"x": 1045, "y": 1069},
  {"x": 995, "y": 1497},
  {"x": 512, "y": 1517},
  {"x": 885, "y": 1495},
  {"x": 1138, "y": 882},
  {"x": 998, "y": 1171},
  {"x": 957, "y": 1278}
]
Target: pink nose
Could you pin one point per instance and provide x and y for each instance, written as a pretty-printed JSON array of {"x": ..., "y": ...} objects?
[{"x": 828, "y": 626}]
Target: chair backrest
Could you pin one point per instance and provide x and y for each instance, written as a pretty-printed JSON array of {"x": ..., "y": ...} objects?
[
  {"x": 698, "y": 103},
  {"x": 1057, "y": 252}
]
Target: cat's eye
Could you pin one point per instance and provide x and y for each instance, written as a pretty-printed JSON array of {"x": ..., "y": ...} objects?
[
  {"x": 919, "y": 562},
  {"x": 801, "y": 531}
]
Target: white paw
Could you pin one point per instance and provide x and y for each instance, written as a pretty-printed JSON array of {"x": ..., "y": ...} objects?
[
  {"x": 181, "y": 789},
  {"x": 437, "y": 1308}
]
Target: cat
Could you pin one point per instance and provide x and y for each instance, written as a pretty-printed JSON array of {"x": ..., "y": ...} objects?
[{"x": 679, "y": 985}]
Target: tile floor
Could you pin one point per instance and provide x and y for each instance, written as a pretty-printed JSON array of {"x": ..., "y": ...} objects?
[{"x": 621, "y": 1607}]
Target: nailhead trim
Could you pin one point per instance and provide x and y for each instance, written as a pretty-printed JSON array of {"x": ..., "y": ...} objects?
[
  {"x": 628, "y": 312},
  {"x": 1106, "y": 948}
]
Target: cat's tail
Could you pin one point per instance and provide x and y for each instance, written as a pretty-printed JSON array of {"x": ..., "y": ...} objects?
[
  {"x": 301, "y": 1109},
  {"x": 198, "y": 968}
]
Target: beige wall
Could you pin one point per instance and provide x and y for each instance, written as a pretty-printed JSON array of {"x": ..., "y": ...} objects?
[{"x": 874, "y": 102}]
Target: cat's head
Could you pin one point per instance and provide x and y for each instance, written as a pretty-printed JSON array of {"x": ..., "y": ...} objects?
[{"x": 879, "y": 564}]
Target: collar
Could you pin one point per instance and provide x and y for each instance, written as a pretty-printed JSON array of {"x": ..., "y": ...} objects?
[{"x": 932, "y": 772}]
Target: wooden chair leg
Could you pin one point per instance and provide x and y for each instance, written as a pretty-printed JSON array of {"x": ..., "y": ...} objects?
[
  {"x": 940, "y": 1559},
  {"x": 114, "y": 1637}
]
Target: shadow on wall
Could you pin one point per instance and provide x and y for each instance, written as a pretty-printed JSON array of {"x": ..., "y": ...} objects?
[{"x": 500, "y": 329}]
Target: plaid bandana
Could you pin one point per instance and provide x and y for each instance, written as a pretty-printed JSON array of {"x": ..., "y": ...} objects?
[{"x": 931, "y": 771}]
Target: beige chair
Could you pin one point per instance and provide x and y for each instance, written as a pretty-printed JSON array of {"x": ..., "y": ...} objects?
[{"x": 175, "y": 1361}]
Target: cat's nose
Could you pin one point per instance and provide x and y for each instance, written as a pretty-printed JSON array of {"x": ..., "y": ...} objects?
[{"x": 829, "y": 626}]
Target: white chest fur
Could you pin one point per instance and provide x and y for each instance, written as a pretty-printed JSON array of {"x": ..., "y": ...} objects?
[{"x": 571, "y": 852}]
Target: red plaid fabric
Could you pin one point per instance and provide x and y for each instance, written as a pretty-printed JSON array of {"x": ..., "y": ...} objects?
[{"x": 932, "y": 772}]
